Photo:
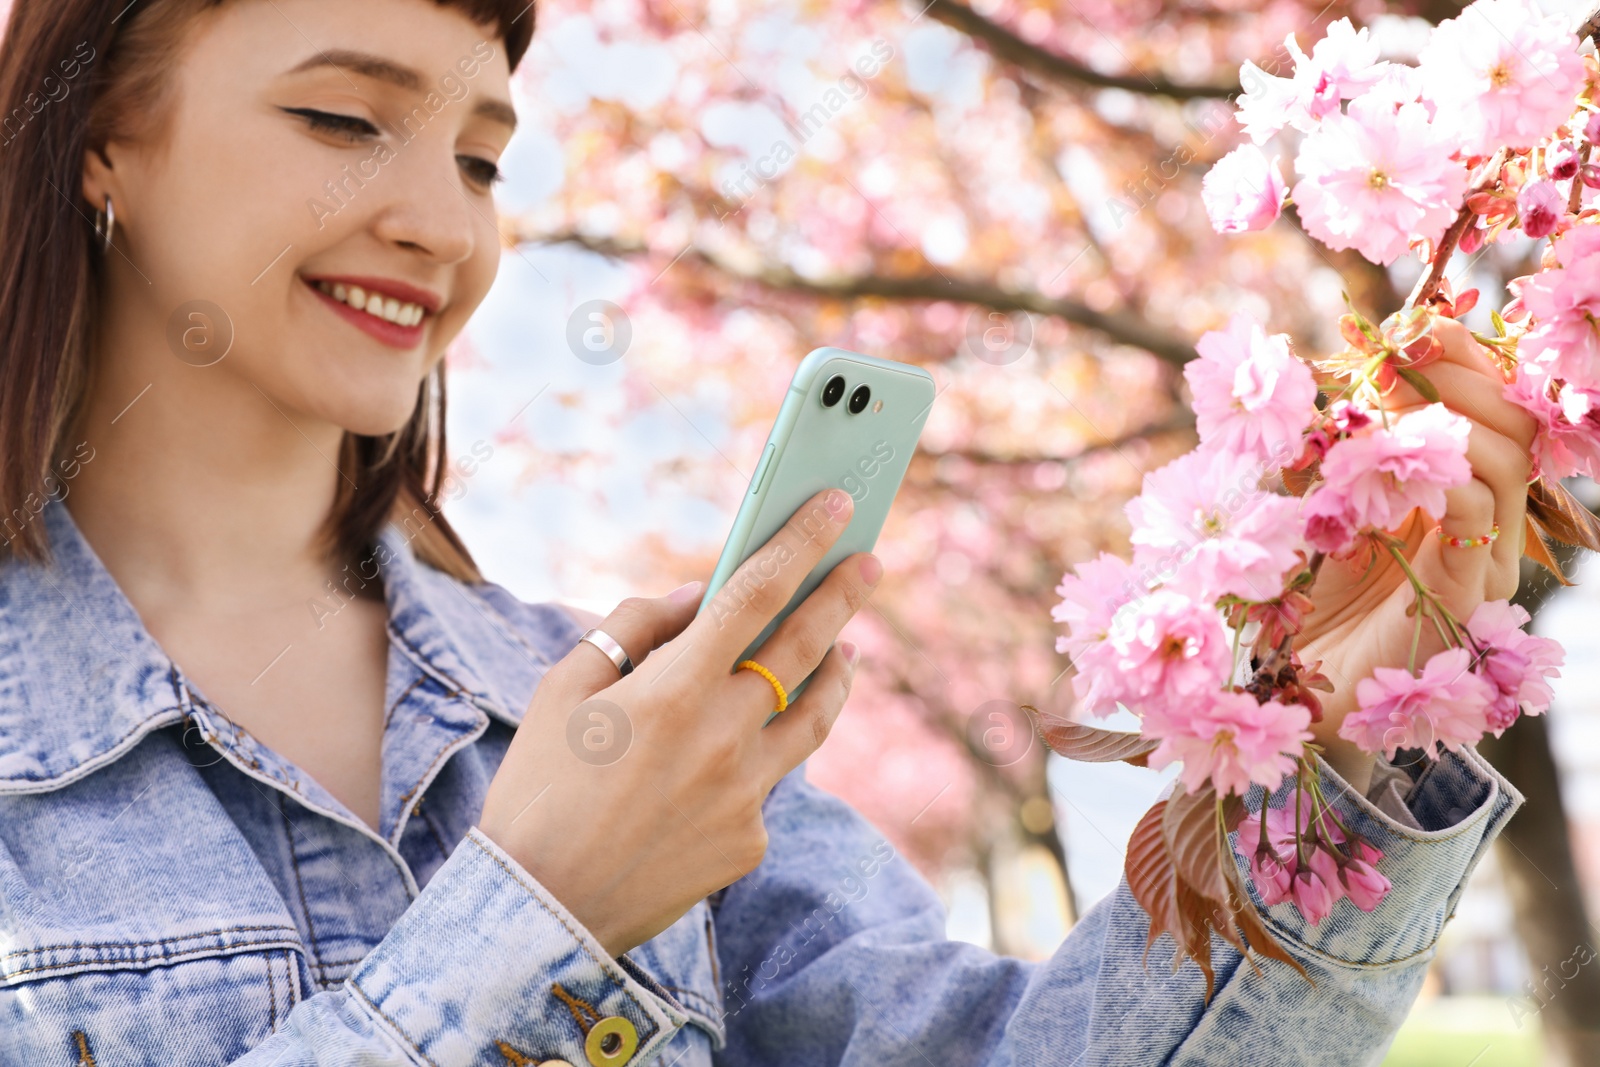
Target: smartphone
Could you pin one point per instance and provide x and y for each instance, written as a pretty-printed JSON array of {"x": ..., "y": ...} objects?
[{"x": 850, "y": 422}]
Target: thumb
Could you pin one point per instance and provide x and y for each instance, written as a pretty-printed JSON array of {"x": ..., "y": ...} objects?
[{"x": 640, "y": 625}]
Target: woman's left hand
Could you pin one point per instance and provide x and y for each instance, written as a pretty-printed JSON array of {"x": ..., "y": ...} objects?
[{"x": 1362, "y": 618}]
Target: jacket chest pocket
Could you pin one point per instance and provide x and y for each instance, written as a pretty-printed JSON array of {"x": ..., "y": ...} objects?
[{"x": 195, "y": 1000}]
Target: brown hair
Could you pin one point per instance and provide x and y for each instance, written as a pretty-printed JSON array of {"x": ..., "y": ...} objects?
[{"x": 50, "y": 282}]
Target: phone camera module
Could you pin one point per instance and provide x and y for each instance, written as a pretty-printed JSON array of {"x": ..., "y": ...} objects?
[
  {"x": 859, "y": 398},
  {"x": 833, "y": 391}
]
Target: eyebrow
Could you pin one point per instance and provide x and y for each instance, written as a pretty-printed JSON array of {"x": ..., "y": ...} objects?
[{"x": 386, "y": 70}]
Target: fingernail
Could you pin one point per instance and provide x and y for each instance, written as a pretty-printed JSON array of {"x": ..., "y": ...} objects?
[
  {"x": 871, "y": 569},
  {"x": 838, "y": 503},
  {"x": 851, "y": 652},
  {"x": 685, "y": 592}
]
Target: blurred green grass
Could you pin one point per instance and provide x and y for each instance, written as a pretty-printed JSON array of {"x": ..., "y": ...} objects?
[{"x": 1463, "y": 1031}]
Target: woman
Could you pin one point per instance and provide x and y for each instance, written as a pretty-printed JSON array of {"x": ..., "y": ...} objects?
[{"x": 283, "y": 781}]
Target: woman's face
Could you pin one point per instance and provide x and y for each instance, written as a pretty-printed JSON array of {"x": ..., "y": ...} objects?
[{"x": 315, "y": 150}]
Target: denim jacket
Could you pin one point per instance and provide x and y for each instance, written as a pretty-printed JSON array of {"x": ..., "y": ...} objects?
[{"x": 175, "y": 894}]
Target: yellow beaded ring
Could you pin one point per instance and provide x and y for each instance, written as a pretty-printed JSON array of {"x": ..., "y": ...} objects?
[
  {"x": 783, "y": 698},
  {"x": 1470, "y": 542}
]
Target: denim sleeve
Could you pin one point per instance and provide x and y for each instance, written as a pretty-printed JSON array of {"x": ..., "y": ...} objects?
[
  {"x": 833, "y": 955},
  {"x": 485, "y": 966}
]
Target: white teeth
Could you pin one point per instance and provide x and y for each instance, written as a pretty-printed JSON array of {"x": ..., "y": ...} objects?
[{"x": 375, "y": 304}]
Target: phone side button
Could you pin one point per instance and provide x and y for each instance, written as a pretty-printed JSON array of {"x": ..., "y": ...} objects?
[{"x": 761, "y": 470}]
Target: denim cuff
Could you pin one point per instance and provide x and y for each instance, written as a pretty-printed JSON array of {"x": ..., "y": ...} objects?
[
  {"x": 486, "y": 966},
  {"x": 1459, "y": 803}
]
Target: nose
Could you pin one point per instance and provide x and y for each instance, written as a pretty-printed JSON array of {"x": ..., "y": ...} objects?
[{"x": 430, "y": 211}]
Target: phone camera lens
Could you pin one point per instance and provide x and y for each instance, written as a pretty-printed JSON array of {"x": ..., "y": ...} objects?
[
  {"x": 859, "y": 398},
  {"x": 833, "y": 391}
]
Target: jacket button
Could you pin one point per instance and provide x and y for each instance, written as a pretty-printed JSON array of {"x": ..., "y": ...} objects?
[
  {"x": 611, "y": 1042},
  {"x": 554, "y": 1063}
]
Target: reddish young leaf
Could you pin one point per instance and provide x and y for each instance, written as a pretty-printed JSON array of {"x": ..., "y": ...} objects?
[
  {"x": 1091, "y": 744},
  {"x": 1562, "y": 515},
  {"x": 1150, "y": 876},
  {"x": 1537, "y": 549}
]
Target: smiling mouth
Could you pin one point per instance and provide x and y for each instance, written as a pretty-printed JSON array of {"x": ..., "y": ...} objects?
[{"x": 386, "y": 308}]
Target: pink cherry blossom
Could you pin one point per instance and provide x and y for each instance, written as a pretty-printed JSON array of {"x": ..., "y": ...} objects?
[
  {"x": 1316, "y": 887},
  {"x": 1343, "y": 64},
  {"x": 1090, "y": 596},
  {"x": 1231, "y": 740},
  {"x": 1164, "y": 652},
  {"x": 1365, "y": 887},
  {"x": 1271, "y": 865},
  {"x": 1377, "y": 178},
  {"x": 1446, "y": 704},
  {"x": 1540, "y": 205},
  {"x": 1565, "y": 305},
  {"x": 1563, "y": 160},
  {"x": 1243, "y": 191},
  {"x": 1251, "y": 395},
  {"x": 1384, "y": 473},
  {"x": 1518, "y": 664},
  {"x": 1567, "y": 441},
  {"x": 1501, "y": 73},
  {"x": 1204, "y": 525},
  {"x": 1330, "y": 522}
]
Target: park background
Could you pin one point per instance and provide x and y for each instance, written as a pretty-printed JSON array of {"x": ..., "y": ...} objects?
[{"x": 1007, "y": 194}]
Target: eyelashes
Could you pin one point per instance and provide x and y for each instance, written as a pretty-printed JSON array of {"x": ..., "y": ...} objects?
[{"x": 354, "y": 130}]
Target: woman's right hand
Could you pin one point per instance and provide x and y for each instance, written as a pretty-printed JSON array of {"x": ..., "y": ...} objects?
[{"x": 631, "y": 833}]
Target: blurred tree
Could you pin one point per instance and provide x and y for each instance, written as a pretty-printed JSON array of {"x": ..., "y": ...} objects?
[{"x": 1006, "y": 193}]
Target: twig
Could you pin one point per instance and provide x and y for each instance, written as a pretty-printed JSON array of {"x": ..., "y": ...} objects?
[{"x": 1429, "y": 285}]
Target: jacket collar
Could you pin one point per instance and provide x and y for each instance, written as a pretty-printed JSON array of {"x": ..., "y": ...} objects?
[{"x": 82, "y": 681}]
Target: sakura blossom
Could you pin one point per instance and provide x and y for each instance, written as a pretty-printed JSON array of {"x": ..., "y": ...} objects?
[
  {"x": 1244, "y": 191},
  {"x": 1342, "y": 65},
  {"x": 1564, "y": 303},
  {"x": 1091, "y": 595},
  {"x": 1376, "y": 178},
  {"x": 1542, "y": 206},
  {"x": 1204, "y": 525},
  {"x": 1447, "y": 704},
  {"x": 1477, "y": 143},
  {"x": 1231, "y": 740},
  {"x": 1251, "y": 395},
  {"x": 1568, "y": 441},
  {"x": 1164, "y": 651},
  {"x": 1501, "y": 73},
  {"x": 1379, "y": 476},
  {"x": 1518, "y": 664},
  {"x": 1363, "y": 884}
]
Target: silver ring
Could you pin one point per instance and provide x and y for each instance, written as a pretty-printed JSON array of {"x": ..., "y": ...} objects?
[{"x": 608, "y": 644}]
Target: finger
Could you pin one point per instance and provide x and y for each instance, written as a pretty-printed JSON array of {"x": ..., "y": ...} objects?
[
  {"x": 801, "y": 641},
  {"x": 766, "y": 582},
  {"x": 1478, "y": 396},
  {"x": 800, "y": 731},
  {"x": 1494, "y": 498},
  {"x": 640, "y": 625}
]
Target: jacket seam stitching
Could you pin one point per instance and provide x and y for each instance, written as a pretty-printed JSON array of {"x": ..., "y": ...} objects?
[
  {"x": 575, "y": 935},
  {"x": 146, "y": 944},
  {"x": 186, "y": 956},
  {"x": 379, "y": 1012},
  {"x": 300, "y": 885}
]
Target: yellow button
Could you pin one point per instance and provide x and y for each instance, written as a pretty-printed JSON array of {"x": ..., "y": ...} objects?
[
  {"x": 555, "y": 1063},
  {"x": 612, "y": 1042}
]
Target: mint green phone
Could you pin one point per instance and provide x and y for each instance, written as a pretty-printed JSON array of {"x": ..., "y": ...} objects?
[{"x": 850, "y": 422}]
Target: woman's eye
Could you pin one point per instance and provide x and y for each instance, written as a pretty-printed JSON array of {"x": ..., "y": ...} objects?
[
  {"x": 481, "y": 171},
  {"x": 347, "y": 127}
]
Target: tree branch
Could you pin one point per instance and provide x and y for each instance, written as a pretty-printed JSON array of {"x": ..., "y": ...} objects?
[
  {"x": 1118, "y": 326},
  {"x": 1055, "y": 67}
]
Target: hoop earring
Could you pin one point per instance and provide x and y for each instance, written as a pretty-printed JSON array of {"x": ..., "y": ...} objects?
[{"x": 105, "y": 224}]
